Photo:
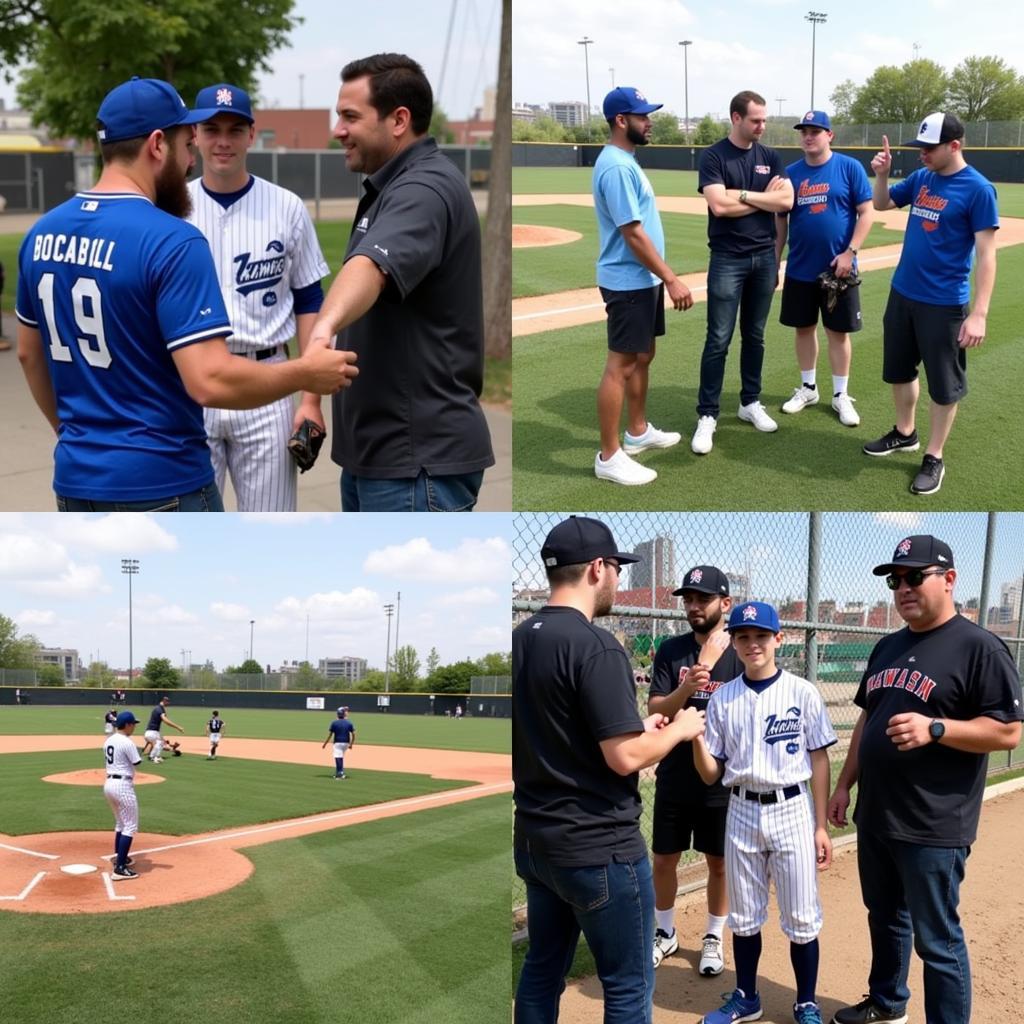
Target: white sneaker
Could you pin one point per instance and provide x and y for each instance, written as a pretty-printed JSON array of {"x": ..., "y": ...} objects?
[
  {"x": 621, "y": 469},
  {"x": 711, "y": 961},
  {"x": 843, "y": 405},
  {"x": 757, "y": 414},
  {"x": 664, "y": 945},
  {"x": 652, "y": 437},
  {"x": 158, "y": 760},
  {"x": 802, "y": 397},
  {"x": 704, "y": 435}
]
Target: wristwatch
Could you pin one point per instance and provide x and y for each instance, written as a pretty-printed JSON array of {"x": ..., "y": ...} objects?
[
  {"x": 936, "y": 730},
  {"x": 743, "y": 195},
  {"x": 851, "y": 248}
]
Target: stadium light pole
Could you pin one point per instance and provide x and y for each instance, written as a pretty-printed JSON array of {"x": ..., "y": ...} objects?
[
  {"x": 686, "y": 44},
  {"x": 780, "y": 100},
  {"x": 130, "y": 567},
  {"x": 389, "y": 610},
  {"x": 252, "y": 626},
  {"x": 816, "y": 18},
  {"x": 611, "y": 71},
  {"x": 585, "y": 42}
]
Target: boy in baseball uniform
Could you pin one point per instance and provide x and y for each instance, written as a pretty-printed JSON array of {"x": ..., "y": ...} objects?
[
  {"x": 214, "y": 728},
  {"x": 766, "y": 737},
  {"x": 121, "y": 757}
]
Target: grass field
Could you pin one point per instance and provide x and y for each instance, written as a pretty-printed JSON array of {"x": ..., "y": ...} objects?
[
  {"x": 400, "y": 921},
  {"x": 811, "y": 462},
  {"x": 485, "y": 735}
]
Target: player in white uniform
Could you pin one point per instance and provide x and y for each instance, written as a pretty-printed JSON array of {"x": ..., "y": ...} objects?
[
  {"x": 766, "y": 733},
  {"x": 120, "y": 757},
  {"x": 269, "y": 265},
  {"x": 214, "y": 728}
]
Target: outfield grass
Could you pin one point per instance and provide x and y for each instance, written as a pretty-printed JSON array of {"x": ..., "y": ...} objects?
[
  {"x": 811, "y": 462},
  {"x": 399, "y": 921},
  {"x": 485, "y": 735},
  {"x": 197, "y": 796}
]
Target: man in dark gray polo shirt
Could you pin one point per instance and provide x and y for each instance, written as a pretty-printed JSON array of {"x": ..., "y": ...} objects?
[{"x": 408, "y": 300}]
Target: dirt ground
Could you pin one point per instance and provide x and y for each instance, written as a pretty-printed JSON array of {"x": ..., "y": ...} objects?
[
  {"x": 34, "y": 876},
  {"x": 527, "y": 236},
  {"x": 992, "y": 901}
]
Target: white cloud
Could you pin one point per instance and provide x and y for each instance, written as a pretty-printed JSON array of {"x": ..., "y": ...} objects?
[
  {"x": 473, "y": 597},
  {"x": 227, "y": 612},
  {"x": 127, "y": 535},
  {"x": 168, "y": 615},
  {"x": 474, "y": 560},
  {"x": 33, "y": 617},
  {"x": 359, "y": 603},
  {"x": 25, "y": 556},
  {"x": 75, "y": 581}
]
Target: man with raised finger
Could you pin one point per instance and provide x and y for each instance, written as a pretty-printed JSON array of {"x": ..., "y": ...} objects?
[{"x": 929, "y": 318}]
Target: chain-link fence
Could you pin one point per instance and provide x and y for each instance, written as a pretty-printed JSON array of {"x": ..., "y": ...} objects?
[{"x": 814, "y": 567}]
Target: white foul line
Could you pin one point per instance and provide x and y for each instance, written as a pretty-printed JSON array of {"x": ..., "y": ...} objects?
[
  {"x": 332, "y": 816},
  {"x": 28, "y": 888},
  {"x": 31, "y": 853},
  {"x": 110, "y": 888}
]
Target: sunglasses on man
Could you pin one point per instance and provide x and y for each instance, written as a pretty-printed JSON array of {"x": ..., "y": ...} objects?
[{"x": 913, "y": 577}]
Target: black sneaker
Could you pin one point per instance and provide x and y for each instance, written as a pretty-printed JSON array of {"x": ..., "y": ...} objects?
[
  {"x": 869, "y": 1012},
  {"x": 891, "y": 442},
  {"x": 123, "y": 872},
  {"x": 929, "y": 477}
]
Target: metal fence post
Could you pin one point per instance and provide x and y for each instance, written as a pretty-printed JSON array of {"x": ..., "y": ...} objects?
[
  {"x": 316, "y": 182},
  {"x": 813, "y": 579},
  {"x": 986, "y": 571}
]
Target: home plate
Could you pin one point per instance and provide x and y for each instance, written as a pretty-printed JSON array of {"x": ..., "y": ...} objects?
[{"x": 78, "y": 869}]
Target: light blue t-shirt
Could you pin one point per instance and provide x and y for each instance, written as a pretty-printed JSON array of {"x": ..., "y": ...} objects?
[
  {"x": 622, "y": 195},
  {"x": 938, "y": 248}
]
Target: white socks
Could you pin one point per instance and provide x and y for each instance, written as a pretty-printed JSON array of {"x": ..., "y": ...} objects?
[
  {"x": 839, "y": 384},
  {"x": 665, "y": 919},
  {"x": 716, "y": 925}
]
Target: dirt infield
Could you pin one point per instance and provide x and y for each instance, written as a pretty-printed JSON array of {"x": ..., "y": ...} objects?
[
  {"x": 175, "y": 869},
  {"x": 97, "y": 777},
  {"x": 991, "y": 905},
  {"x": 584, "y": 305},
  {"x": 526, "y": 236}
]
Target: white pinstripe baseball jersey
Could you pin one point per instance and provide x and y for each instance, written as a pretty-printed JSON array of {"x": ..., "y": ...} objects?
[{"x": 121, "y": 755}]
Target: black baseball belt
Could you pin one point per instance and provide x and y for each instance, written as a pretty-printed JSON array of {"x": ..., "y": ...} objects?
[{"x": 773, "y": 796}]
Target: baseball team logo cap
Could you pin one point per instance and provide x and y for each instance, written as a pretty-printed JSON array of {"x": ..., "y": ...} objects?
[
  {"x": 125, "y": 718},
  {"x": 578, "y": 540},
  {"x": 708, "y": 579},
  {"x": 754, "y": 615},
  {"x": 937, "y": 129},
  {"x": 223, "y": 99},
  {"x": 140, "y": 106},
  {"x": 815, "y": 119},
  {"x": 627, "y": 100},
  {"x": 918, "y": 552}
]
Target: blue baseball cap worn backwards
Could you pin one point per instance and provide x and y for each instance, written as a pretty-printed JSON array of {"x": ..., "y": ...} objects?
[
  {"x": 140, "y": 106},
  {"x": 754, "y": 615}
]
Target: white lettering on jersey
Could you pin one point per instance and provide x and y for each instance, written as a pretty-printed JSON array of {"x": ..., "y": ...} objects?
[{"x": 84, "y": 252}]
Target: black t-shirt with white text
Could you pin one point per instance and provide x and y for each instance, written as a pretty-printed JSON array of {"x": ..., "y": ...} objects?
[{"x": 930, "y": 795}]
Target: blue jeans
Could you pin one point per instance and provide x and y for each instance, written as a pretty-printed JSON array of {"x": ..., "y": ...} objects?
[
  {"x": 744, "y": 285},
  {"x": 206, "y": 499},
  {"x": 423, "y": 493},
  {"x": 613, "y": 905},
  {"x": 912, "y": 892}
]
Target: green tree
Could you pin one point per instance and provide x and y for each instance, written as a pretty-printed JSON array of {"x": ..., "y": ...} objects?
[
  {"x": 433, "y": 660},
  {"x": 495, "y": 664},
  {"x": 106, "y": 43},
  {"x": 160, "y": 674},
  {"x": 842, "y": 99},
  {"x": 709, "y": 131},
  {"x": 49, "y": 675},
  {"x": 16, "y": 651},
  {"x": 439, "y": 126},
  {"x": 986, "y": 89},
  {"x": 453, "y": 678},
  {"x": 204, "y": 678},
  {"x": 540, "y": 129},
  {"x": 99, "y": 675},
  {"x": 307, "y": 678},
  {"x": 665, "y": 130},
  {"x": 405, "y": 669},
  {"x": 372, "y": 681},
  {"x": 904, "y": 94},
  {"x": 249, "y": 667}
]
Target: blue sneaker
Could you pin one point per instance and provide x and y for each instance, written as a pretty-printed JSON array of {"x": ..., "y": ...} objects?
[
  {"x": 736, "y": 1008},
  {"x": 807, "y": 1013}
]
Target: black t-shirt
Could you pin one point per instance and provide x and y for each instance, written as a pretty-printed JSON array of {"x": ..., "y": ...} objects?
[
  {"x": 156, "y": 717},
  {"x": 677, "y": 777},
  {"x": 930, "y": 795},
  {"x": 572, "y": 687},
  {"x": 415, "y": 404},
  {"x": 752, "y": 169}
]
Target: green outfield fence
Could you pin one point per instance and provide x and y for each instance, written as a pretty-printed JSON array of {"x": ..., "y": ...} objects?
[{"x": 814, "y": 567}]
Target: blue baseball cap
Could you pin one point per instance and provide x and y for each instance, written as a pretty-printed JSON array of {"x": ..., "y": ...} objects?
[
  {"x": 224, "y": 99},
  {"x": 754, "y": 615},
  {"x": 815, "y": 119},
  {"x": 140, "y": 106},
  {"x": 125, "y": 718},
  {"x": 627, "y": 100}
]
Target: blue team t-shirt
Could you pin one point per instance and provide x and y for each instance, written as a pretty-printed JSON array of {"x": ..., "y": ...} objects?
[
  {"x": 946, "y": 210},
  {"x": 824, "y": 212},
  {"x": 115, "y": 286},
  {"x": 622, "y": 195},
  {"x": 342, "y": 729}
]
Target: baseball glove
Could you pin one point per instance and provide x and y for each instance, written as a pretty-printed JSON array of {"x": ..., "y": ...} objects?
[
  {"x": 177, "y": 752},
  {"x": 304, "y": 445},
  {"x": 835, "y": 286}
]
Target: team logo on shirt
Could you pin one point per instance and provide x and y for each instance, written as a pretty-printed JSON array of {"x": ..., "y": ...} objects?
[
  {"x": 813, "y": 196},
  {"x": 762, "y": 169},
  {"x": 252, "y": 275},
  {"x": 363, "y": 224},
  {"x": 928, "y": 207},
  {"x": 917, "y": 683},
  {"x": 786, "y": 729}
]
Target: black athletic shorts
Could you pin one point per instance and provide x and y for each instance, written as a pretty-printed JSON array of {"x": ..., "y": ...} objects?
[
  {"x": 679, "y": 827},
  {"x": 635, "y": 318},
  {"x": 918, "y": 332},
  {"x": 802, "y": 301}
]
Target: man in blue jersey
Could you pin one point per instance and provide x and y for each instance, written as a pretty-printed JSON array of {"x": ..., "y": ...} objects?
[
  {"x": 928, "y": 318},
  {"x": 122, "y": 325},
  {"x": 343, "y": 735},
  {"x": 633, "y": 277},
  {"x": 830, "y": 220}
]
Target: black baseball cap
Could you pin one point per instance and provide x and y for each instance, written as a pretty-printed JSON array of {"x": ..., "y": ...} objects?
[
  {"x": 918, "y": 552},
  {"x": 708, "y": 579},
  {"x": 579, "y": 539}
]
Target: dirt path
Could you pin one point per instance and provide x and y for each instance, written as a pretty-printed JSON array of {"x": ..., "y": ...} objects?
[
  {"x": 991, "y": 906},
  {"x": 583, "y": 305},
  {"x": 34, "y": 870}
]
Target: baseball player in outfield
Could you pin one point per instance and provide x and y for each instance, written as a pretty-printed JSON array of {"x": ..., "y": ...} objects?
[
  {"x": 766, "y": 735},
  {"x": 121, "y": 757},
  {"x": 343, "y": 733},
  {"x": 214, "y": 730},
  {"x": 109, "y": 721},
  {"x": 154, "y": 737},
  {"x": 687, "y": 671},
  {"x": 269, "y": 265},
  {"x": 122, "y": 325}
]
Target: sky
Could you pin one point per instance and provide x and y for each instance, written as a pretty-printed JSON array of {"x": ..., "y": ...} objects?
[
  {"x": 764, "y": 45},
  {"x": 334, "y": 33},
  {"x": 772, "y": 548},
  {"x": 202, "y": 579}
]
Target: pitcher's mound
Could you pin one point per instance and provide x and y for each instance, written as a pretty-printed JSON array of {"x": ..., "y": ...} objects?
[
  {"x": 525, "y": 236},
  {"x": 96, "y": 777}
]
